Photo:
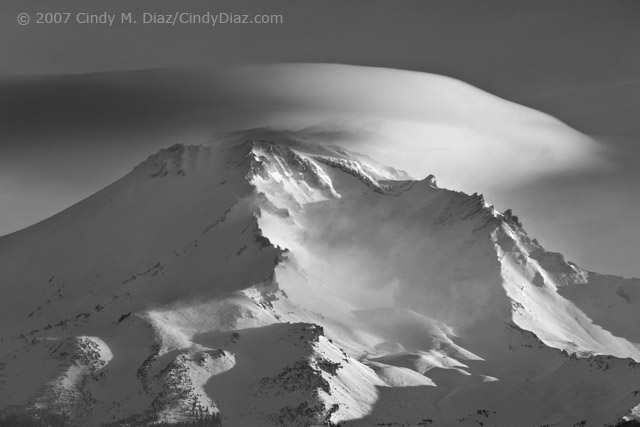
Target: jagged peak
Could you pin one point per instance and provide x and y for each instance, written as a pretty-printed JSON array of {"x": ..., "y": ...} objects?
[{"x": 511, "y": 219}]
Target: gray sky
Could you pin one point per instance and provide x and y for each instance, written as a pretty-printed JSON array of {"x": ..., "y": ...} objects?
[{"x": 577, "y": 60}]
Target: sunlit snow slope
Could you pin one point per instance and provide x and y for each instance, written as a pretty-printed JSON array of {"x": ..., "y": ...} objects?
[{"x": 287, "y": 283}]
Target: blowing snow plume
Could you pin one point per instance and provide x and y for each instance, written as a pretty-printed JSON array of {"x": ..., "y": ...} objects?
[{"x": 270, "y": 280}]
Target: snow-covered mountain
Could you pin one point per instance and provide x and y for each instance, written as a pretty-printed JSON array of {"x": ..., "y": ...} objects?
[{"x": 261, "y": 282}]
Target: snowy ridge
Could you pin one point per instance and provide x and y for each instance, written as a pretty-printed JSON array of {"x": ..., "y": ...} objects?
[
  {"x": 284, "y": 283},
  {"x": 353, "y": 168}
]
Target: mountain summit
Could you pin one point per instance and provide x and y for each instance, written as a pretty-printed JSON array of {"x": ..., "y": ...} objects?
[{"x": 278, "y": 282}]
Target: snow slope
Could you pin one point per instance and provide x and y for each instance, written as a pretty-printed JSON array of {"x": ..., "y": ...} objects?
[{"x": 281, "y": 282}]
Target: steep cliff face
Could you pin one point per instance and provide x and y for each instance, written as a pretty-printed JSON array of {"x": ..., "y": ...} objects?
[{"x": 263, "y": 283}]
